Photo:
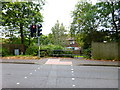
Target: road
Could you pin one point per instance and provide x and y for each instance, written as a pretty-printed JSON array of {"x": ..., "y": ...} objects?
[{"x": 58, "y": 76}]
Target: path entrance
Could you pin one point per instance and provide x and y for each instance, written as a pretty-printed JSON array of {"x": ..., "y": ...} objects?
[{"x": 58, "y": 62}]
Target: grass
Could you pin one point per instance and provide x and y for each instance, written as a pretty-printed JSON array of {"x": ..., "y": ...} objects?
[{"x": 78, "y": 56}]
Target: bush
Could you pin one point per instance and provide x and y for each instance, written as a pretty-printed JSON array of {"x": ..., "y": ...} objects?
[
  {"x": 51, "y": 47},
  {"x": 4, "y": 52},
  {"x": 87, "y": 53},
  {"x": 32, "y": 50},
  {"x": 43, "y": 53},
  {"x": 47, "y": 50}
]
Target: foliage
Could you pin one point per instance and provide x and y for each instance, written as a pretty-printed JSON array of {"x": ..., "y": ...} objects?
[
  {"x": 56, "y": 50},
  {"x": 94, "y": 20},
  {"x": 95, "y": 23},
  {"x": 109, "y": 15},
  {"x": 58, "y": 35},
  {"x": 84, "y": 22},
  {"x": 5, "y": 52},
  {"x": 47, "y": 50},
  {"x": 18, "y": 16},
  {"x": 44, "y": 40},
  {"x": 32, "y": 50},
  {"x": 87, "y": 53},
  {"x": 16, "y": 40}
]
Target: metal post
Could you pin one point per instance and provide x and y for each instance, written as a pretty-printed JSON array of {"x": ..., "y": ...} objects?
[
  {"x": 38, "y": 42},
  {"x": 39, "y": 46}
]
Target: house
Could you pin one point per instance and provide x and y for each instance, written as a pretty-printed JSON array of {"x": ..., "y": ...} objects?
[{"x": 72, "y": 44}]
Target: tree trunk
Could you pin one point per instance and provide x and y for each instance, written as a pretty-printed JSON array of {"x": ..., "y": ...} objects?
[
  {"x": 21, "y": 32},
  {"x": 29, "y": 40},
  {"x": 113, "y": 19}
]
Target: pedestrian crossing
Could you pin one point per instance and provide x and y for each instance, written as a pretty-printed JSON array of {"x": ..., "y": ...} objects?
[{"x": 58, "y": 62}]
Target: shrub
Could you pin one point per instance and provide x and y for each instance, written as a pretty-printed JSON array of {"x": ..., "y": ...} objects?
[
  {"x": 32, "y": 50},
  {"x": 47, "y": 50},
  {"x": 4, "y": 52},
  {"x": 87, "y": 53},
  {"x": 43, "y": 53}
]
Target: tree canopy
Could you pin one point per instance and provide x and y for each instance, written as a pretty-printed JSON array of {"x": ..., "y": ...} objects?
[
  {"x": 58, "y": 35},
  {"x": 19, "y": 15},
  {"x": 99, "y": 22}
]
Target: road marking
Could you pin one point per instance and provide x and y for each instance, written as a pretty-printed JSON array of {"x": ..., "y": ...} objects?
[
  {"x": 73, "y": 85},
  {"x": 73, "y": 78},
  {"x": 17, "y": 83},
  {"x": 58, "y": 62},
  {"x": 25, "y": 77},
  {"x": 35, "y": 70},
  {"x": 71, "y": 65},
  {"x": 38, "y": 68},
  {"x": 30, "y": 73},
  {"x": 72, "y": 69}
]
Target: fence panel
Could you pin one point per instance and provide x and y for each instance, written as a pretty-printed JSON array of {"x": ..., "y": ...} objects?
[
  {"x": 105, "y": 50},
  {"x": 12, "y": 47}
]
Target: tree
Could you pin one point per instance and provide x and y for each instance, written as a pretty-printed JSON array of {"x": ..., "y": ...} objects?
[
  {"x": 84, "y": 22},
  {"x": 44, "y": 40},
  {"x": 95, "y": 22},
  {"x": 19, "y": 15},
  {"x": 58, "y": 35},
  {"x": 109, "y": 12}
]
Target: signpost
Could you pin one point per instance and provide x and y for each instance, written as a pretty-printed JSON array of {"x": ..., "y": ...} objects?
[{"x": 36, "y": 32}]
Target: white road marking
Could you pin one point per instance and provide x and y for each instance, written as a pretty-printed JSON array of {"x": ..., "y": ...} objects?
[
  {"x": 73, "y": 78},
  {"x": 30, "y": 73},
  {"x": 35, "y": 70},
  {"x": 38, "y": 68},
  {"x": 73, "y": 85},
  {"x": 72, "y": 69},
  {"x": 17, "y": 83},
  {"x": 25, "y": 77},
  {"x": 58, "y": 62},
  {"x": 71, "y": 65}
]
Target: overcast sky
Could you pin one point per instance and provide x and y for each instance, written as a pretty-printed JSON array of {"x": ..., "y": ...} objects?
[{"x": 57, "y": 10}]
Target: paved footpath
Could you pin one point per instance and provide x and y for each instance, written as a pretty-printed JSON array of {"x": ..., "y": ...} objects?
[
  {"x": 76, "y": 62},
  {"x": 58, "y": 73}
]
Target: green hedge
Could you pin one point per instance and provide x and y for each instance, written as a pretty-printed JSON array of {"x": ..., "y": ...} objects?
[
  {"x": 46, "y": 50},
  {"x": 4, "y": 52},
  {"x": 32, "y": 50},
  {"x": 87, "y": 53}
]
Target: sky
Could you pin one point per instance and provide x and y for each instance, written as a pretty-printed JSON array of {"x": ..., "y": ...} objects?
[{"x": 54, "y": 10}]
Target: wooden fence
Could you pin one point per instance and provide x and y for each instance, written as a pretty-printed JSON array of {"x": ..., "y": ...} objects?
[
  {"x": 12, "y": 47},
  {"x": 106, "y": 50}
]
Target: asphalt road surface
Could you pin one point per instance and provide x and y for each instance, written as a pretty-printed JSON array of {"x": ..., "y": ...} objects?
[{"x": 58, "y": 76}]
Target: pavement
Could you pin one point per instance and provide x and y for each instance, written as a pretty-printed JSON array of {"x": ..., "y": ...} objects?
[{"x": 74, "y": 61}]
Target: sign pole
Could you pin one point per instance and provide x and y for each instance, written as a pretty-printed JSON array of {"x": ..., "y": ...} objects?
[
  {"x": 38, "y": 43},
  {"x": 39, "y": 46}
]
